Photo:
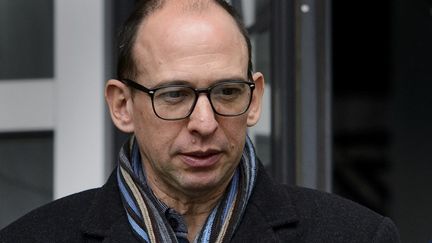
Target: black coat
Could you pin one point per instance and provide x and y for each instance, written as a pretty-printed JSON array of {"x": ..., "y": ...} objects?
[{"x": 275, "y": 213}]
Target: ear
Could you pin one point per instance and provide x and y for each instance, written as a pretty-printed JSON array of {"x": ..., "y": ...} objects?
[
  {"x": 118, "y": 98},
  {"x": 255, "y": 107}
]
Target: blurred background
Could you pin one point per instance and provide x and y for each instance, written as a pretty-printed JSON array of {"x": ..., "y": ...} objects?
[{"x": 347, "y": 107}]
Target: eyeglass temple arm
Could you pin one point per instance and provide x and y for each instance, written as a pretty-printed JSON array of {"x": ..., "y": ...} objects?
[{"x": 135, "y": 85}]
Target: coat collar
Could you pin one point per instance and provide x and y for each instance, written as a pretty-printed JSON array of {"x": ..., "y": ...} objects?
[
  {"x": 105, "y": 218},
  {"x": 271, "y": 214},
  {"x": 273, "y": 200}
]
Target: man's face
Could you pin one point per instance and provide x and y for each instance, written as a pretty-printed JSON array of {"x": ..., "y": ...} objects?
[{"x": 200, "y": 153}]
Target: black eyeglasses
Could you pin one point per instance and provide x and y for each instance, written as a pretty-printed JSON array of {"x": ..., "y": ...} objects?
[{"x": 177, "y": 101}]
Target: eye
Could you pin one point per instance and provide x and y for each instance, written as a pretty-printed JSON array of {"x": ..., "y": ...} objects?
[
  {"x": 173, "y": 95},
  {"x": 228, "y": 92}
]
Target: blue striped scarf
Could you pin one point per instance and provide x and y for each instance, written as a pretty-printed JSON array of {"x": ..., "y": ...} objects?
[{"x": 146, "y": 218}]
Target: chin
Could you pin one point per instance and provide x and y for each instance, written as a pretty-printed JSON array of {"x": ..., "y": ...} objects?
[{"x": 201, "y": 183}]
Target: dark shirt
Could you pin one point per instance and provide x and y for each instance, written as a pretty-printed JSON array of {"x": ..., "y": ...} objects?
[{"x": 177, "y": 223}]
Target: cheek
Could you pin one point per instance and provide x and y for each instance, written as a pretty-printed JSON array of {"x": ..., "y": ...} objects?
[
  {"x": 154, "y": 134},
  {"x": 235, "y": 130}
]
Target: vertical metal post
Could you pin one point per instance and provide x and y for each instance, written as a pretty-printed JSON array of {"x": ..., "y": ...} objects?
[
  {"x": 324, "y": 70},
  {"x": 301, "y": 97},
  {"x": 283, "y": 144},
  {"x": 314, "y": 94}
]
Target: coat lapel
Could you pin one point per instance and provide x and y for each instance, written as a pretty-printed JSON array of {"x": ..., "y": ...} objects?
[{"x": 271, "y": 214}]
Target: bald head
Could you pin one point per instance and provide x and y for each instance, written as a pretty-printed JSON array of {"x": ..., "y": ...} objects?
[{"x": 127, "y": 61}]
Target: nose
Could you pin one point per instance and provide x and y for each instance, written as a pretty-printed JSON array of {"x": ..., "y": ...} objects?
[{"x": 202, "y": 120}]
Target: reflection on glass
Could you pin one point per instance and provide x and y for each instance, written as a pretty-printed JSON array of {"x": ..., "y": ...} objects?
[{"x": 256, "y": 16}]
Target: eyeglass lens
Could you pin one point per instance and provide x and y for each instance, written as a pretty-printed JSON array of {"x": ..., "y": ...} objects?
[{"x": 176, "y": 102}]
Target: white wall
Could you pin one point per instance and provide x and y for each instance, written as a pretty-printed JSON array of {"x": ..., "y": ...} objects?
[{"x": 26, "y": 105}]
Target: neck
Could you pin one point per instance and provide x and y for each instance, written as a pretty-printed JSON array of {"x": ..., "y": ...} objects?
[{"x": 195, "y": 207}]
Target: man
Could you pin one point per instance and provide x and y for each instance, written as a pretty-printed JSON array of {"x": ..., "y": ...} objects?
[{"x": 189, "y": 172}]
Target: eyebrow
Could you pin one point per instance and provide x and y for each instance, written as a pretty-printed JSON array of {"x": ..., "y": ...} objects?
[
  {"x": 190, "y": 84},
  {"x": 171, "y": 82}
]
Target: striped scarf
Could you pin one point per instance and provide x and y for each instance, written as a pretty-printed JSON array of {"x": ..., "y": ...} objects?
[{"x": 145, "y": 215}]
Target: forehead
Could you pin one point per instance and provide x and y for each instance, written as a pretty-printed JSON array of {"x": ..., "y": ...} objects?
[{"x": 178, "y": 40}]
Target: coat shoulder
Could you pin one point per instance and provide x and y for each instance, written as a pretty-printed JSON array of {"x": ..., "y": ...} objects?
[
  {"x": 336, "y": 219},
  {"x": 61, "y": 217},
  {"x": 282, "y": 213}
]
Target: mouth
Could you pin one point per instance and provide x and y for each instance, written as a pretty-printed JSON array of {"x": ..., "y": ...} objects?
[{"x": 201, "y": 159}]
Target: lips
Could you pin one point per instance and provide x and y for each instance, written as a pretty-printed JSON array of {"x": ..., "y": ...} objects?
[{"x": 201, "y": 159}]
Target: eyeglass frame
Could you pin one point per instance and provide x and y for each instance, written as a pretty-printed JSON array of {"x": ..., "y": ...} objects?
[{"x": 151, "y": 92}]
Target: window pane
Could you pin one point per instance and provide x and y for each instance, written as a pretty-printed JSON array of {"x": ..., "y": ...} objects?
[
  {"x": 26, "y": 39},
  {"x": 26, "y": 173}
]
